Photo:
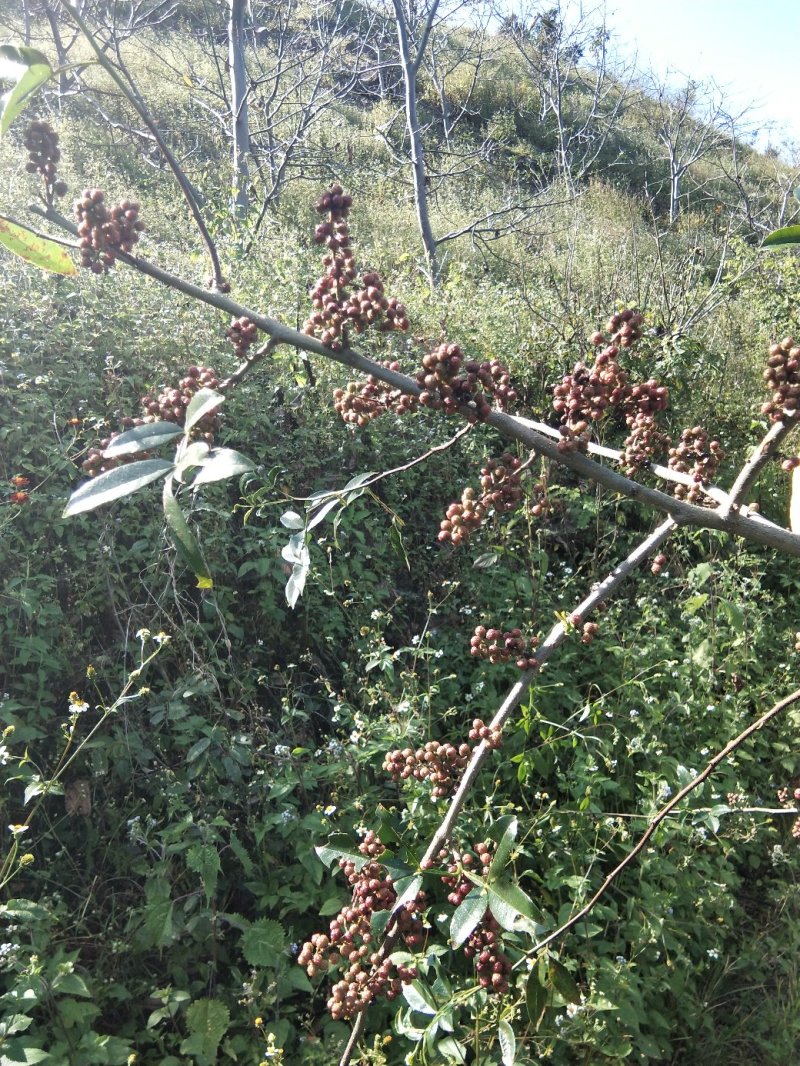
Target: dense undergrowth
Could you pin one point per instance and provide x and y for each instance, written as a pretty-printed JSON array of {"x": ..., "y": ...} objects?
[{"x": 172, "y": 883}]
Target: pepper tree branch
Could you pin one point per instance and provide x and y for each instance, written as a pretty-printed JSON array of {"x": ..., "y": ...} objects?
[
  {"x": 735, "y": 523},
  {"x": 555, "y": 638},
  {"x": 712, "y": 764},
  {"x": 128, "y": 88}
]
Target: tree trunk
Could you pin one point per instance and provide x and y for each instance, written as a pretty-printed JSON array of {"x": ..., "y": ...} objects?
[
  {"x": 417, "y": 152},
  {"x": 239, "y": 114}
]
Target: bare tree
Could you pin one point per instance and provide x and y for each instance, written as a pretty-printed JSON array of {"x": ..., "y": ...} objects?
[
  {"x": 759, "y": 188},
  {"x": 286, "y": 66},
  {"x": 690, "y": 124},
  {"x": 580, "y": 98}
]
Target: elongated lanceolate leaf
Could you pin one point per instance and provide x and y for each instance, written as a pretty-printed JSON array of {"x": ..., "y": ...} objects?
[
  {"x": 189, "y": 458},
  {"x": 184, "y": 540},
  {"x": 42, "y": 252},
  {"x": 466, "y": 916},
  {"x": 142, "y": 439},
  {"x": 787, "y": 235},
  {"x": 29, "y": 70},
  {"x": 222, "y": 463},
  {"x": 508, "y": 1043},
  {"x": 115, "y": 484},
  {"x": 505, "y": 831},
  {"x": 202, "y": 403}
]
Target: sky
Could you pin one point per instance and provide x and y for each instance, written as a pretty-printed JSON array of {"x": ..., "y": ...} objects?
[{"x": 748, "y": 47}]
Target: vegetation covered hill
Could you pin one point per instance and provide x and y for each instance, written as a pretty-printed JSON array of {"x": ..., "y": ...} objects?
[{"x": 162, "y": 873}]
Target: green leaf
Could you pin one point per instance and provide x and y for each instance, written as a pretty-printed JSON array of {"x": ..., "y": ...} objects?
[
  {"x": 17, "y": 1023},
  {"x": 115, "y": 484},
  {"x": 33, "y": 248},
  {"x": 485, "y": 561},
  {"x": 192, "y": 456},
  {"x": 507, "y": 827},
  {"x": 264, "y": 942},
  {"x": 507, "y": 901},
  {"x": 22, "y": 1054},
  {"x": 222, "y": 463},
  {"x": 340, "y": 846},
  {"x": 202, "y": 403},
  {"x": 142, "y": 439},
  {"x": 208, "y": 1021},
  {"x": 296, "y": 552},
  {"x": 292, "y": 520},
  {"x": 184, "y": 539},
  {"x": 535, "y": 997},
  {"x": 419, "y": 998},
  {"x": 407, "y": 889},
  {"x": 562, "y": 981},
  {"x": 467, "y": 915},
  {"x": 787, "y": 235},
  {"x": 30, "y": 70},
  {"x": 203, "y": 859},
  {"x": 450, "y": 1049},
  {"x": 508, "y": 1043},
  {"x": 71, "y": 984}
]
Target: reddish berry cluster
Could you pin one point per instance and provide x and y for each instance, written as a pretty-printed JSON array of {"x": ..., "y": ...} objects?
[
  {"x": 169, "y": 406},
  {"x": 449, "y": 384},
  {"x": 104, "y": 233},
  {"x": 589, "y": 632},
  {"x": 498, "y": 646},
  {"x": 359, "y": 404},
  {"x": 242, "y": 333},
  {"x": 645, "y": 442},
  {"x": 482, "y": 732},
  {"x": 782, "y": 375},
  {"x": 171, "y": 403},
  {"x": 440, "y": 763},
  {"x": 480, "y": 857},
  {"x": 658, "y": 564},
  {"x": 625, "y": 328},
  {"x": 585, "y": 395},
  {"x": 366, "y": 976},
  {"x": 697, "y": 455},
  {"x": 502, "y": 492},
  {"x": 337, "y": 311},
  {"x": 790, "y": 798},
  {"x": 492, "y": 965},
  {"x": 44, "y": 155}
]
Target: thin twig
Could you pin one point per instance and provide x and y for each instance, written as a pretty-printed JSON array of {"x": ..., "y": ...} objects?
[
  {"x": 132, "y": 94},
  {"x": 713, "y": 763}
]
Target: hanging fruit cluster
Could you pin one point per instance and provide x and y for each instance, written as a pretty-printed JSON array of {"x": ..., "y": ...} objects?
[
  {"x": 502, "y": 492},
  {"x": 348, "y": 944},
  {"x": 168, "y": 406},
  {"x": 338, "y": 311},
  {"x": 44, "y": 155},
  {"x": 105, "y": 232}
]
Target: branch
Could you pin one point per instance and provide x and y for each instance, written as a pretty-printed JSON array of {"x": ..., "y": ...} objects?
[
  {"x": 713, "y": 763},
  {"x": 131, "y": 93},
  {"x": 736, "y": 523},
  {"x": 555, "y": 638}
]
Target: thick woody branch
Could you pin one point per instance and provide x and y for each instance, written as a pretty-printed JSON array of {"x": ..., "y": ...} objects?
[{"x": 736, "y": 523}]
